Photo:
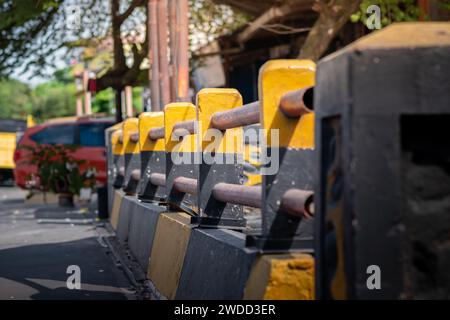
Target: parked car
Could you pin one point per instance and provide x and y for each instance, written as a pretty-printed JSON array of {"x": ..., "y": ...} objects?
[{"x": 86, "y": 132}]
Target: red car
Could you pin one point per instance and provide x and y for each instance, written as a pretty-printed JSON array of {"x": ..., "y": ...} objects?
[{"x": 86, "y": 132}]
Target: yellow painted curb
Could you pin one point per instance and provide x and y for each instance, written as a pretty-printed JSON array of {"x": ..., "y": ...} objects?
[
  {"x": 281, "y": 277},
  {"x": 168, "y": 251}
]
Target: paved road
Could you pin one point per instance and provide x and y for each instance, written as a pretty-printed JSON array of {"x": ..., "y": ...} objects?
[{"x": 34, "y": 256}]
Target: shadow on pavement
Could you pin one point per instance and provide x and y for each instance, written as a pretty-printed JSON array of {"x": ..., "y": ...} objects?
[{"x": 39, "y": 271}]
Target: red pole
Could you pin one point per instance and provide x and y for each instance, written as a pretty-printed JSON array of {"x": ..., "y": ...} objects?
[
  {"x": 162, "y": 46},
  {"x": 173, "y": 34},
  {"x": 183, "y": 51},
  {"x": 153, "y": 54}
]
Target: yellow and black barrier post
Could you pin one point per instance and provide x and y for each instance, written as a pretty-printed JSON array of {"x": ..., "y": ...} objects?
[
  {"x": 287, "y": 146},
  {"x": 118, "y": 159},
  {"x": 181, "y": 156},
  {"x": 132, "y": 160},
  {"x": 221, "y": 160},
  {"x": 153, "y": 157}
]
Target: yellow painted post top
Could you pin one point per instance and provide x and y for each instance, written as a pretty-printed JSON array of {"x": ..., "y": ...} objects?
[
  {"x": 174, "y": 113},
  {"x": 210, "y": 101},
  {"x": 276, "y": 78},
  {"x": 130, "y": 126},
  {"x": 117, "y": 146},
  {"x": 148, "y": 121}
]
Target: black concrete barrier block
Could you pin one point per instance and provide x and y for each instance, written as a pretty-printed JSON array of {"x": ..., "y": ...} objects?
[
  {"x": 287, "y": 153},
  {"x": 153, "y": 157},
  {"x": 110, "y": 162},
  {"x": 216, "y": 265},
  {"x": 143, "y": 221},
  {"x": 132, "y": 158},
  {"x": 382, "y": 206}
]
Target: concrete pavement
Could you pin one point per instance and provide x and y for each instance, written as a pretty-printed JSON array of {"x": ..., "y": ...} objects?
[{"x": 35, "y": 254}]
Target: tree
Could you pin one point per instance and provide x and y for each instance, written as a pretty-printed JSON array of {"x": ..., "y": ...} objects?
[
  {"x": 334, "y": 14},
  {"x": 31, "y": 33},
  {"x": 16, "y": 99}
]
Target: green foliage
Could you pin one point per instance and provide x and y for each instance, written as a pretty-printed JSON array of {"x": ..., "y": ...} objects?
[
  {"x": 54, "y": 99},
  {"x": 391, "y": 11},
  {"x": 16, "y": 99},
  {"x": 103, "y": 101},
  {"x": 208, "y": 20},
  {"x": 57, "y": 170}
]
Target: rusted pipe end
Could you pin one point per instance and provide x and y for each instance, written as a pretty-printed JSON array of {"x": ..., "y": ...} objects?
[
  {"x": 299, "y": 203},
  {"x": 238, "y": 194},
  {"x": 180, "y": 133},
  {"x": 156, "y": 133},
  {"x": 242, "y": 116},
  {"x": 134, "y": 137},
  {"x": 158, "y": 179},
  {"x": 136, "y": 174},
  {"x": 185, "y": 185},
  {"x": 296, "y": 103}
]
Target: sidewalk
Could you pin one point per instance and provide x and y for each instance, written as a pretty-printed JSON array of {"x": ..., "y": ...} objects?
[{"x": 38, "y": 243}]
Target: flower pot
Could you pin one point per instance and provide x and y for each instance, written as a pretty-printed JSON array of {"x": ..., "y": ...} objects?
[{"x": 65, "y": 200}]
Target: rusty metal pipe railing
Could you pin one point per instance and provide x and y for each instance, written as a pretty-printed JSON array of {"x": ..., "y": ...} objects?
[
  {"x": 158, "y": 179},
  {"x": 293, "y": 104},
  {"x": 185, "y": 185},
  {"x": 299, "y": 203},
  {"x": 237, "y": 117},
  {"x": 238, "y": 194},
  {"x": 296, "y": 103},
  {"x": 156, "y": 133}
]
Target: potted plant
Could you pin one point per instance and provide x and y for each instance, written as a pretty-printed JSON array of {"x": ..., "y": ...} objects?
[{"x": 59, "y": 172}]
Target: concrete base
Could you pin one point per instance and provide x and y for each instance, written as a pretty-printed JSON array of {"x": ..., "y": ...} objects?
[
  {"x": 168, "y": 252},
  {"x": 142, "y": 228},
  {"x": 216, "y": 265},
  {"x": 127, "y": 206},
  {"x": 281, "y": 277},
  {"x": 115, "y": 210}
]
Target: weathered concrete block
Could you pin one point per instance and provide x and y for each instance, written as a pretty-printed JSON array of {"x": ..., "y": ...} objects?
[
  {"x": 115, "y": 210},
  {"x": 216, "y": 265},
  {"x": 143, "y": 221},
  {"x": 123, "y": 225},
  {"x": 168, "y": 251}
]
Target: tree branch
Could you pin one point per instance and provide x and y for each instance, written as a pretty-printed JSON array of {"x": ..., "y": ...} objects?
[
  {"x": 333, "y": 16},
  {"x": 133, "y": 5}
]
